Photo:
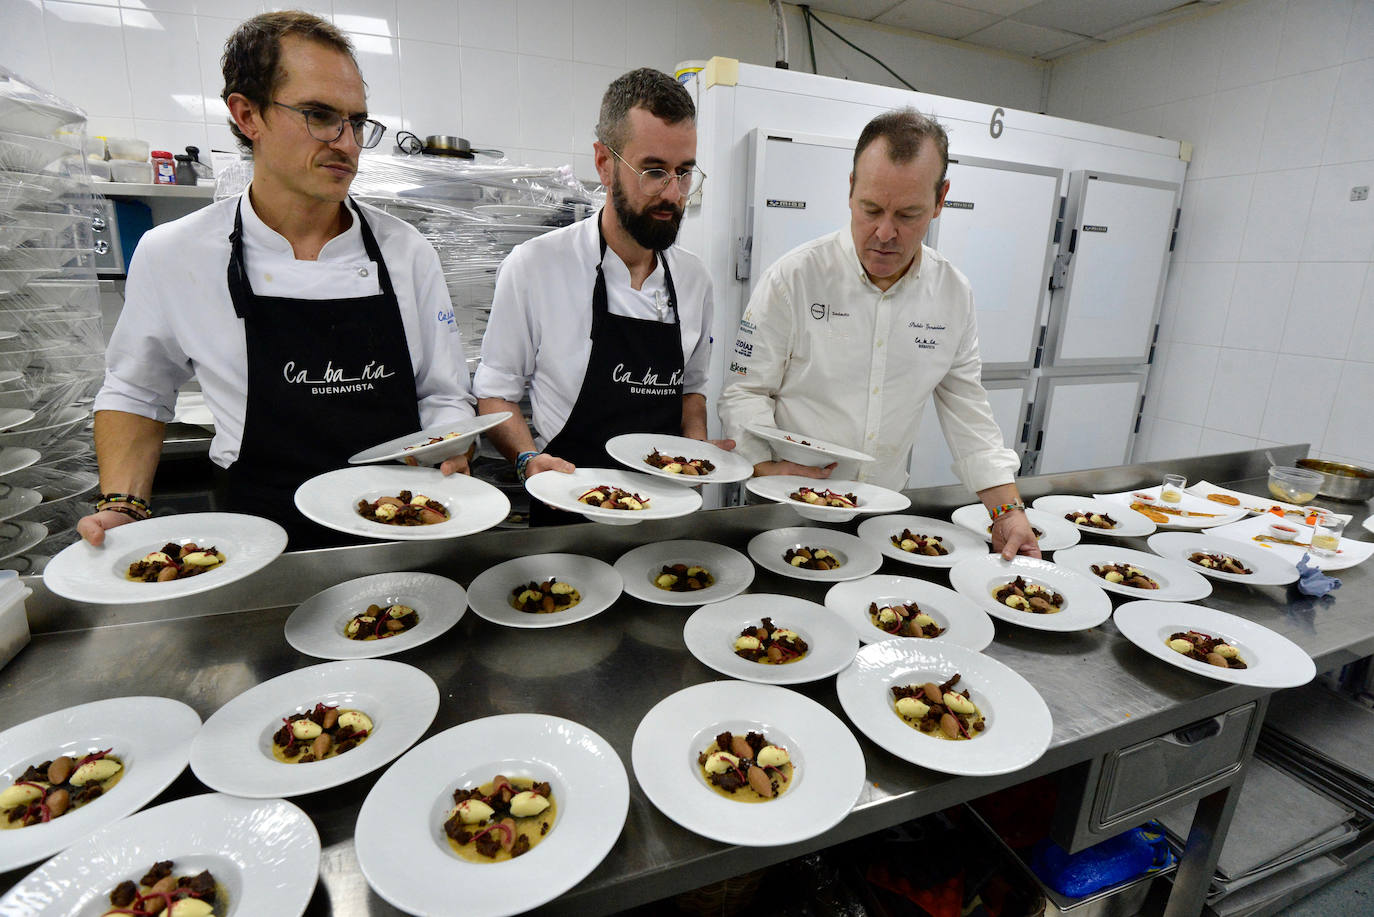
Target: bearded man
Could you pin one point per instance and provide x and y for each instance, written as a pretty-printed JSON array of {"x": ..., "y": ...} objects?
[{"x": 605, "y": 321}]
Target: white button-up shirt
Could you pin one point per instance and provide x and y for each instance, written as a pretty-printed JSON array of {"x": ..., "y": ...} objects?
[
  {"x": 541, "y": 316},
  {"x": 823, "y": 352},
  {"x": 178, "y": 318}
]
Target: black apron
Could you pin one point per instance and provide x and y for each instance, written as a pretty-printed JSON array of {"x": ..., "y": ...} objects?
[
  {"x": 326, "y": 378},
  {"x": 633, "y": 384}
]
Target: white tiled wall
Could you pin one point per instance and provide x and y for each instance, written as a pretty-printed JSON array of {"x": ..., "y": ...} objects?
[
  {"x": 524, "y": 76},
  {"x": 1268, "y": 326}
]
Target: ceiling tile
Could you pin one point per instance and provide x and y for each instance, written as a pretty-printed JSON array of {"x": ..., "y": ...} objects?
[
  {"x": 1020, "y": 38},
  {"x": 997, "y": 7},
  {"x": 1092, "y": 17},
  {"x": 935, "y": 17},
  {"x": 854, "y": 9}
]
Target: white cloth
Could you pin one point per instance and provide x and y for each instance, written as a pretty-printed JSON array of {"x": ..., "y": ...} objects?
[
  {"x": 178, "y": 318},
  {"x": 821, "y": 351},
  {"x": 541, "y": 319}
]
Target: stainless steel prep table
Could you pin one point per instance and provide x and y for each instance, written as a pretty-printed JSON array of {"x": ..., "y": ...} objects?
[{"x": 607, "y": 672}]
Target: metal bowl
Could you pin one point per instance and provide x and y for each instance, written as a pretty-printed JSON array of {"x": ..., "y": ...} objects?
[{"x": 1342, "y": 482}]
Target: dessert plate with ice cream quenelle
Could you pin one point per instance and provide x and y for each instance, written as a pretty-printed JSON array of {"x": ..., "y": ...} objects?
[
  {"x": 770, "y": 639},
  {"x": 613, "y": 496},
  {"x": 263, "y": 857},
  {"x": 795, "y": 771},
  {"x": 883, "y": 607},
  {"x": 152, "y": 560},
  {"x": 440, "y": 831},
  {"x": 684, "y": 572},
  {"x": 812, "y": 553},
  {"x": 679, "y": 459},
  {"x": 544, "y": 590},
  {"x": 434, "y": 444},
  {"x": 391, "y": 503},
  {"x": 824, "y": 500},
  {"x": 1215, "y": 644},
  {"x": 376, "y": 615},
  {"x": 131, "y": 749},
  {"x": 1094, "y": 516},
  {"x": 991, "y": 720},
  {"x": 1138, "y": 574},
  {"x": 314, "y": 728},
  {"x": 1051, "y": 531},
  {"x": 1031, "y": 592},
  {"x": 1225, "y": 559},
  {"x": 921, "y": 540}
]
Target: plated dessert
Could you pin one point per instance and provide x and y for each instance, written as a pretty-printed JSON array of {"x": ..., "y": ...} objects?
[
  {"x": 925, "y": 545},
  {"x": 679, "y": 464},
  {"x": 1031, "y": 597},
  {"x": 1206, "y": 648},
  {"x": 904, "y": 620},
  {"x": 53, "y": 788},
  {"x": 607, "y": 497},
  {"x": 500, "y": 820},
  {"x": 824, "y": 498},
  {"x": 544, "y": 598},
  {"x": 405, "y": 508},
  {"x": 684, "y": 578},
  {"x": 1216, "y": 561},
  {"x": 939, "y": 710},
  {"x": 769, "y": 644},
  {"x": 161, "y": 891},
  {"x": 377, "y": 623},
  {"x": 174, "y": 561},
  {"x": 1125, "y": 575},
  {"x": 746, "y": 768},
  {"x": 1160, "y": 514},
  {"x": 432, "y": 440},
  {"x": 324, "y": 732},
  {"x": 1091, "y": 520},
  {"x": 808, "y": 558}
]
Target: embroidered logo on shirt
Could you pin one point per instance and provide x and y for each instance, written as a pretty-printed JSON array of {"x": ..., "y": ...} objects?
[
  {"x": 927, "y": 343},
  {"x": 738, "y": 369},
  {"x": 647, "y": 384},
  {"x": 930, "y": 327},
  {"x": 818, "y": 310},
  {"x": 334, "y": 381},
  {"x": 744, "y": 348},
  {"x": 747, "y": 327},
  {"x": 445, "y": 317}
]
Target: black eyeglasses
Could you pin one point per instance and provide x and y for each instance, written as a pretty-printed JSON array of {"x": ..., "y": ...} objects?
[
  {"x": 654, "y": 182},
  {"x": 327, "y": 126}
]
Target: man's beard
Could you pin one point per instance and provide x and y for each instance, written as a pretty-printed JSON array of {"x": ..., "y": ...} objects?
[{"x": 651, "y": 233}]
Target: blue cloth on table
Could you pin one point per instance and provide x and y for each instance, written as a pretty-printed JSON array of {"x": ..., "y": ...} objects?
[{"x": 1312, "y": 581}]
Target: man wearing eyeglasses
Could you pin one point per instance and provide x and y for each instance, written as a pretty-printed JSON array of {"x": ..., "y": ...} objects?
[
  {"x": 606, "y": 323},
  {"x": 315, "y": 326}
]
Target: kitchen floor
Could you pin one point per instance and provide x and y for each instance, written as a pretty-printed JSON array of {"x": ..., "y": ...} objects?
[{"x": 1351, "y": 895}]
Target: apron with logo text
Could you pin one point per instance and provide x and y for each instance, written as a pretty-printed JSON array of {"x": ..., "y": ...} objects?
[
  {"x": 326, "y": 378},
  {"x": 633, "y": 384}
]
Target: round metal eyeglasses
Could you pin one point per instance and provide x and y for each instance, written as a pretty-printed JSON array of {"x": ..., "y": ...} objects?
[
  {"x": 654, "y": 182},
  {"x": 327, "y": 126}
]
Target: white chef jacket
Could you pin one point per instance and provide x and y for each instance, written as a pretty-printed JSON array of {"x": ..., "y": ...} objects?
[
  {"x": 179, "y": 320},
  {"x": 541, "y": 319},
  {"x": 822, "y": 351}
]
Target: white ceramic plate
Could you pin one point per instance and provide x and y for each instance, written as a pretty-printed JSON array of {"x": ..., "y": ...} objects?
[
  {"x": 857, "y": 558},
  {"x": 597, "y": 582},
  {"x": 828, "y": 766},
  {"x": 1178, "y": 581},
  {"x": 84, "y": 573},
  {"x": 964, "y": 622},
  {"x": 1128, "y": 522},
  {"x": 638, "y": 567},
  {"x": 400, "y": 836},
  {"x": 68, "y": 419},
  {"x": 1019, "y": 726},
  {"x": 1058, "y": 533},
  {"x": 1208, "y": 512},
  {"x": 233, "y": 752},
  {"x": 805, "y": 450},
  {"x": 958, "y": 541},
  {"x": 17, "y": 536},
  {"x": 331, "y": 499},
  {"x": 16, "y": 500},
  {"x": 1085, "y": 603},
  {"x": 1270, "y": 569},
  {"x": 412, "y": 450},
  {"x": 630, "y": 449},
  {"x": 1349, "y": 551},
  {"x": 316, "y": 627},
  {"x": 13, "y": 458},
  {"x": 1251, "y": 503},
  {"x": 1272, "y": 661},
  {"x": 711, "y": 631},
  {"x": 871, "y": 498},
  {"x": 266, "y": 853},
  {"x": 151, "y": 735},
  {"x": 14, "y": 417},
  {"x": 666, "y": 500},
  {"x": 1368, "y": 523}
]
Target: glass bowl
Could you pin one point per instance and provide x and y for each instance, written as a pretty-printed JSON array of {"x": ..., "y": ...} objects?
[{"x": 1294, "y": 485}]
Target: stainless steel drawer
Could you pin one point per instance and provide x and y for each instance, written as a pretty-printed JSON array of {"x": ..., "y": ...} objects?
[{"x": 1142, "y": 776}]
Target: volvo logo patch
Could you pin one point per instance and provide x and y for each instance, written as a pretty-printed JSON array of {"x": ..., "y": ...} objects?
[{"x": 818, "y": 310}]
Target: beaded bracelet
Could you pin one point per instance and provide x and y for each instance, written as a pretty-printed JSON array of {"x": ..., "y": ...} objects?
[
  {"x": 135, "y": 508},
  {"x": 1001, "y": 509},
  {"x": 521, "y": 461},
  {"x": 130, "y": 499}
]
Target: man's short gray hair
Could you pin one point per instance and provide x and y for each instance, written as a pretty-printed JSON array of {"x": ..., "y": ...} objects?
[
  {"x": 653, "y": 90},
  {"x": 905, "y": 130}
]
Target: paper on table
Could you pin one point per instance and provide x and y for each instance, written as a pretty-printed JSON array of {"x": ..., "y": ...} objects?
[{"x": 1349, "y": 553}]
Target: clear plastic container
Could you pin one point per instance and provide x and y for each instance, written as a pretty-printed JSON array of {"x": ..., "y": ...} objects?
[{"x": 130, "y": 148}]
